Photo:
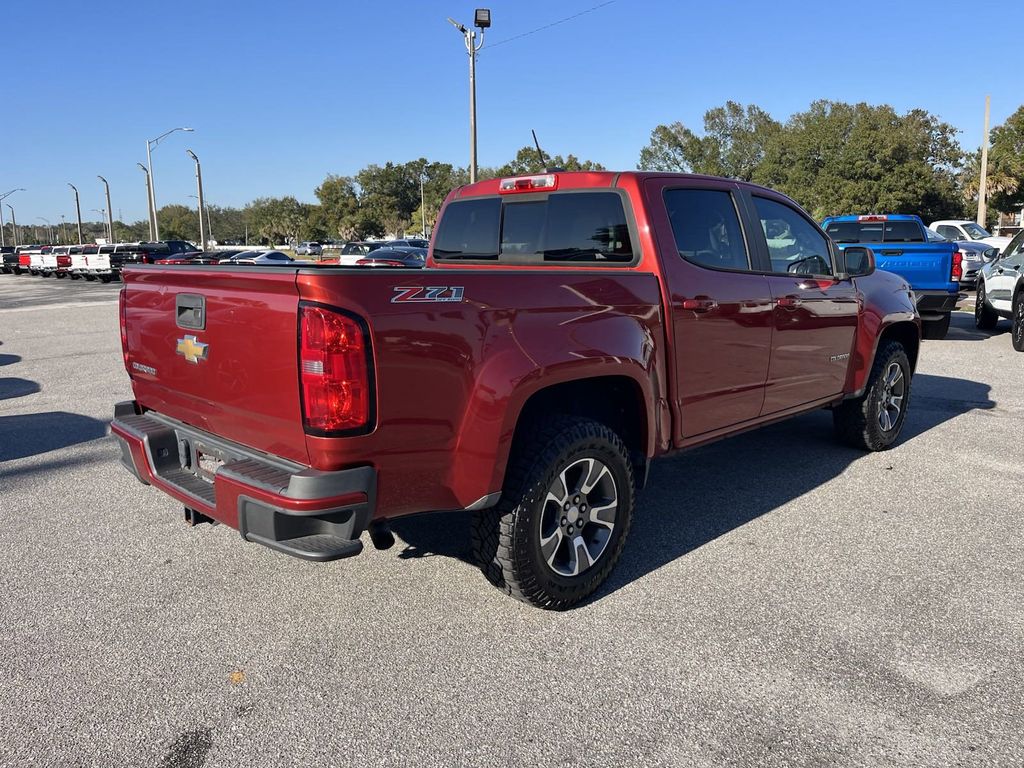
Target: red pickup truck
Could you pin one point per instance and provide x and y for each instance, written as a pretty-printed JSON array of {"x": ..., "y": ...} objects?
[{"x": 568, "y": 329}]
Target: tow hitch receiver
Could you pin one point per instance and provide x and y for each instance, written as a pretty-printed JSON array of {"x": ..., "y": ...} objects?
[{"x": 194, "y": 518}]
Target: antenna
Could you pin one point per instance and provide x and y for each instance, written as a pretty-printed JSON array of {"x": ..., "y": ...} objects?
[{"x": 540, "y": 152}]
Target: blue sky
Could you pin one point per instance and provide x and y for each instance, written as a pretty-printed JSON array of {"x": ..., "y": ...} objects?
[{"x": 282, "y": 93}]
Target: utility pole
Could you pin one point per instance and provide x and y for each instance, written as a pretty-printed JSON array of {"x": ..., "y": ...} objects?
[
  {"x": 423, "y": 208},
  {"x": 14, "y": 225},
  {"x": 110, "y": 211},
  {"x": 3, "y": 197},
  {"x": 78, "y": 212},
  {"x": 63, "y": 231},
  {"x": 982, "y": 186},
  {"x": 482, "y": 20},
  {"x": 149, "y": 201},
  {"x": 150, "y": 143},
  {"x": 199, "y": 183}
]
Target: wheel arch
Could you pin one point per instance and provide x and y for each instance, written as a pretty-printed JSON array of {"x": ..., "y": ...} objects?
[{"x": 617, "y": 401}]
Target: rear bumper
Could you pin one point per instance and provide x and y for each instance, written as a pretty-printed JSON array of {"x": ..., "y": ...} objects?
[
  {"x": 936, "y": 302},
  {"x": 296, "y": 510}
]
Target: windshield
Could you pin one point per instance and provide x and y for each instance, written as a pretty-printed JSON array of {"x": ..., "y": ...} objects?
[
  {"x": 879, "y": 231},
  {"x": 974, "y": 231}
]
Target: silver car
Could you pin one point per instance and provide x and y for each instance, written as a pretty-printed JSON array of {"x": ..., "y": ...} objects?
[
  {"x": 976, "y": 255},
  {"x": 310, "y": 248}
]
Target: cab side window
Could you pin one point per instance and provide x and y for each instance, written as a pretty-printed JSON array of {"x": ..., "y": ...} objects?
[
  {"x": 795, "y": 246},
  {"x": 707, "y": 228}
]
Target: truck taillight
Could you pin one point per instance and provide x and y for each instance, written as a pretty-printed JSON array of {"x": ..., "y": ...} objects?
[
  {"x": 144, "y": 258},
  {"x": 122, "y": 315},
  {"x": 334, "y": 371},
  {"x": 958, "y": 266}
]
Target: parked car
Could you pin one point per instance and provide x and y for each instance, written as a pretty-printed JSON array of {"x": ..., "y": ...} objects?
[
  {"x": 24, "y": 258},
  {"x": 1001, "y": 292},
  {"x": 409, "y": 242},
  {"x": 201, "y": 258},
  {"x": 55, "y": 261},
  {"x": 901, "y": 246},
  {"x": 266, "y": 258},
  {"x": 569, "y": 328},
  {"x": 309, "y": 249},
  {"x": 8, "y": 259},
  {"x": 31, "y": 259},
  {"x": 395, "y": 256},
  {"x": 962, "y": 229},
  {"x": 975, "y": 256}
]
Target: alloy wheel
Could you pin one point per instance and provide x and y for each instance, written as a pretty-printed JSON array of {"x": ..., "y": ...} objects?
[
  {"x": 578, "y": 517},
  {"x": 890, "y": 405}
]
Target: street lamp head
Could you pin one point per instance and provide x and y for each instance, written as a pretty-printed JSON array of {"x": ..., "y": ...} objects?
[
  {"x": 73, "y": 187},
  {"x": 101, "y": 178},
  {"x": 192, "y": 154},
  {"x": 144, "y": 168},
  {"x": 456, "y": 24},
  {"x": 482, "y": 18},
  {"x": 187, "y": 129}
]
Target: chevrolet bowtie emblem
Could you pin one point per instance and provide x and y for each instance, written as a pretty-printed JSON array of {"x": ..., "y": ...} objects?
[{"x": 192, "y": 349}]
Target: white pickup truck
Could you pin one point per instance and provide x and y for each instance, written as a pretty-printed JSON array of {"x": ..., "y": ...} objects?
[{"x": 962, "y": 229}]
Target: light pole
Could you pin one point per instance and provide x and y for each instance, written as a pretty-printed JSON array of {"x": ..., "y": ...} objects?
[
  {"x": 63, "y": 231},
  {"x": 199, "y": 184},
  {"x": 2, "y": 198},
  {"x": 150, "y": 143},
  {"x": 78, "y": 212},
  {"x": 49, "y": 228},
  {"x": 209, "y": 225},
  {"x": 14, "y": 225},
  {"x": 482, "y": 20},
  {"x": 103, "y": 215},
  {"x": 110, "y": 211},
  {"x": 423, "y": 209},
  {"x": 149, "y": 199}
]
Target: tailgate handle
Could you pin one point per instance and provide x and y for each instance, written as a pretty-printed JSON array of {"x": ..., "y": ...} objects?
[
  {"x": 892, "y": 253},
  {"x": 190, "y": 311}
]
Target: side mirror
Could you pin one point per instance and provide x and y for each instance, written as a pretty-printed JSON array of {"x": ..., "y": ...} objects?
[{"x": 854, "y": 261}]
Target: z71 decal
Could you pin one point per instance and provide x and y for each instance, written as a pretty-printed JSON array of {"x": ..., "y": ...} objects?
[{"x": 423, "y": 294}]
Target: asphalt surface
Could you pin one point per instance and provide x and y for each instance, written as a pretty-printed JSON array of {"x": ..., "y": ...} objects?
[{"x": 782, "y": 600}]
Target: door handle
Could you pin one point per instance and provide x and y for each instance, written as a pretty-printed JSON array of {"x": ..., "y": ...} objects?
[
  {"x": 700, "y": 304},
  {"x": 789, "y": 302}
]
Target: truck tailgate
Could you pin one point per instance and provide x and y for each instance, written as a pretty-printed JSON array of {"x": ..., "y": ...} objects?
[
  {"x": 926, "y": 266},
  {"x": 234, "y": 372}
]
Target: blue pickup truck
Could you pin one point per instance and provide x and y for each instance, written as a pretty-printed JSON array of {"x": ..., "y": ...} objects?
[{"x": 901, "y": 245}]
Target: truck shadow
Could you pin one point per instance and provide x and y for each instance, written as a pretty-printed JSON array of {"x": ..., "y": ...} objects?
[
  {"x": 695, "y": 497},
  {"x": 9, "y": 359},
  {"x": 34, "y": 433},
  {"x": 962, "y": 328}
]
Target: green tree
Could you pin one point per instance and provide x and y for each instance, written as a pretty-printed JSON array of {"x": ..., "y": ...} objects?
[
  {"x": 1005, "y": 182},
  {"x": 856, "y": 158},
  {"x": 339, "y": 206},
  {"x": 528, "y": 161},
  {"x": 733, "y": 145}
]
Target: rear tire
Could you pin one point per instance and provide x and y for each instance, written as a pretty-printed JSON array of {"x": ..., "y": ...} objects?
[
  {"x": 1017, "y": 329},
  {"x": 873, "y": 421},
  {"x": 104, "y": 278},
  {"x": 564, "y": 514},
  {"x": 985, "y": 317},
  {"x": 935, "y": 330}
]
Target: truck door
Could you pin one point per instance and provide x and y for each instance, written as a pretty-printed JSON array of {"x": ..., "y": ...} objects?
[
  {"x": 1003, "y": 275},
  {"x": 719, "y": 308},
  {"x": 815, "y": 315}
]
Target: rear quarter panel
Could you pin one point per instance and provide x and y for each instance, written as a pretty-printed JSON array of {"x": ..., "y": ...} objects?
[{"x": 452, "y": 377}]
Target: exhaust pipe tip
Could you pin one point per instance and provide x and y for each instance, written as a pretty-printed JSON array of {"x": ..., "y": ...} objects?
[{"x": 381, "y": 536}]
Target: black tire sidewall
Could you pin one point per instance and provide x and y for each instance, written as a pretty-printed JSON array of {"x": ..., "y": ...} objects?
[
  {"x": 879, "y": 437},
  {"x": 1017, "y": 326},
  {"x": 573, "y": 588}
]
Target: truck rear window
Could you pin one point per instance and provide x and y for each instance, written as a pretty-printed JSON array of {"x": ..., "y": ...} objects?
[
  {"x": 588, "y": 227},
  {"x": 875, "y": 232}
]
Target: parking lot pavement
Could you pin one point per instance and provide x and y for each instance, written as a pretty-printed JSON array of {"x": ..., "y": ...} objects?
[{"x": 782, "y": 600}]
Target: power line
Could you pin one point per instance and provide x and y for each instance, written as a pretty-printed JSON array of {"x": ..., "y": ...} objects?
[{"x": 552, "y": 24}]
